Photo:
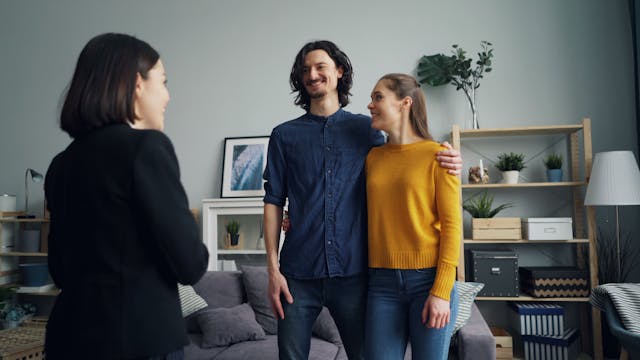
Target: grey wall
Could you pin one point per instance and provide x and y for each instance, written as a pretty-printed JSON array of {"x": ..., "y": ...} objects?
[{"x": 228, "y": 64}]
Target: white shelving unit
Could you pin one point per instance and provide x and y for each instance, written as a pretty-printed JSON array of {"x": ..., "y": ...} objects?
[{"x": 248, "y": 212}]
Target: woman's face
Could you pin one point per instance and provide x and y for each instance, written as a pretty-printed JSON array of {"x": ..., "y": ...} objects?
[
  {"x": 385, "y": 107},
  {"x": 151, "y": 98}
]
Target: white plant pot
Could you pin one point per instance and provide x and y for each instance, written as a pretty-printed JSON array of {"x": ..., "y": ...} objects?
[{"x": 510, "y": 177}]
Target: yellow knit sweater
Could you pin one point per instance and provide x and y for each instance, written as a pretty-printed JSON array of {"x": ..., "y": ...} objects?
[{"x": 414, "y": 210}]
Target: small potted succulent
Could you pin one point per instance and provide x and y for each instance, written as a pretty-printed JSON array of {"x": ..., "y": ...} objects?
[
  {"x": 553, "y": 163},
  {"x": 233, "y": 235},
  {"x": 484, "y": 225},
  {"x": 510, "y": 165},
  {"x": 13, "y": 314}
]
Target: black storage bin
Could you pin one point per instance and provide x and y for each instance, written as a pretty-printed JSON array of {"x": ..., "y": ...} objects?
[{"x": 497, "y": 270}]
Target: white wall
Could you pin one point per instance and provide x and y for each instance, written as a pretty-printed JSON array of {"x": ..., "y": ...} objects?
[{"x": 228, "y": 64}]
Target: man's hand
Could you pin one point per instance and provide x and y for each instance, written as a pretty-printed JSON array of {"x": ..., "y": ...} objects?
[
  {"x": 436, "y": 312},
  {"x": 278, "y": 285},
  {"x": 450, "y": 159}
]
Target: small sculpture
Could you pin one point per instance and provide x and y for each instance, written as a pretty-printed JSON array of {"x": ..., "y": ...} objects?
[{"x": 478, "y": 177}]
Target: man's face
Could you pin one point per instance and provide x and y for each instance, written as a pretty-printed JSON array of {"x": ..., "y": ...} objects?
[{"x": 320, "y": 74}]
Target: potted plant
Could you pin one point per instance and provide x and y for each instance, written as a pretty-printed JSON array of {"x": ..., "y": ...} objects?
[
  {"x": 553, "y": 163},
  {"x": 484, "y": 225},
  {"x": 510, "y": 165},
  {"x": 6, "y": 295},
  {"x": 233, "y": 235},
  {"x": 13, "y": 314},
  {"x": 440, "y": 69}
]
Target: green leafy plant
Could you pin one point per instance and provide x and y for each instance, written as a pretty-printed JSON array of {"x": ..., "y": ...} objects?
[
  {"x": 233, "y": 227},
  {"x": 553, "y": 161},
  {"x": 510, "y": 162},
  {"x": 481, "y": 207},
  {"x": 6, "y": 293},
  {"x": 456, "y": 69}
]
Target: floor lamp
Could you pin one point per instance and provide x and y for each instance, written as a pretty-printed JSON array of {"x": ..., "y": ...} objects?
[{"x": 615, "y": 180}]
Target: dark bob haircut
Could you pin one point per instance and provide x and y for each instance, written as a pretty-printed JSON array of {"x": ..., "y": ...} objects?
[
  {"x": 341, "y": 60},
  {"x": 103, "y": 84}
]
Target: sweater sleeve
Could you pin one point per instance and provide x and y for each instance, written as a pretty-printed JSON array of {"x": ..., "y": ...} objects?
[{"x": 449, "y": 209}]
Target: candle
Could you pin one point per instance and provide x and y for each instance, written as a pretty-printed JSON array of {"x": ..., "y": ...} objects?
[{"x": 481, "y": 170}]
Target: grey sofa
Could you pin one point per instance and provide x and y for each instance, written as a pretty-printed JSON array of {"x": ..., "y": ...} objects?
[{"x": 231, "y": 289}]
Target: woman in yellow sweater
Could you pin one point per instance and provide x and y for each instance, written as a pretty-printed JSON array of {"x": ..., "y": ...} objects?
[{"x": 415, "y": 223}]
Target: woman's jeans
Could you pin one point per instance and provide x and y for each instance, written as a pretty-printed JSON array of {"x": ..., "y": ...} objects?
[
  {"x": 394, "y": 316},
  {"x": 345, "y": 297}
]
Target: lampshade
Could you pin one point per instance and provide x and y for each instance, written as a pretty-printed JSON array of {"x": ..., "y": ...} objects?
[{"x": 615, "y": 180}]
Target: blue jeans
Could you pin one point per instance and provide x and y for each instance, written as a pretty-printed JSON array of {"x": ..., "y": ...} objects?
[
  {"x": 345, "y": 297},
  {"x": 394, "y": 316}
]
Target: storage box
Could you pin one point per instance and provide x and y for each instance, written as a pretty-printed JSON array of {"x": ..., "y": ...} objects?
[
  {"x": 564, "y": 347},
  {"x": 554, "y": 281},
  {"x": 504, "y": 343},
  {"x": 540, "y": 319},
  {"x": 497, "y": 270},
  {"x": 22, "y": 343},
  {"x": 496, "y": 228},
  {"x": 547, "y": 228}
]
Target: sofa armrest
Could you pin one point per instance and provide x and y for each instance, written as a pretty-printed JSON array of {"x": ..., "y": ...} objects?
[{"x": 475, "y": 341}]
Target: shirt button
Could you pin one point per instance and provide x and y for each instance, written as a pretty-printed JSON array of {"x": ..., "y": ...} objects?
[
  {"x": 328, "y": 148},
  {"x": 330, "y": 195},
  {"x": 329, "y": 171},
  {"x": 329, "y": 242}
]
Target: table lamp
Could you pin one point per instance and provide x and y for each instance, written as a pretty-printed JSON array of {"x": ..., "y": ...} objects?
[{"x": 35, "y": 177}]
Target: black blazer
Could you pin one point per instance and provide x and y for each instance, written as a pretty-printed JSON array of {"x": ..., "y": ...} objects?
[{"x": 121, "y": 237}]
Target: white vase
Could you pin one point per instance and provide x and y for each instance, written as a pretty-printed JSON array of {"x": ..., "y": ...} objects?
[{"x": 510, "y": 177}]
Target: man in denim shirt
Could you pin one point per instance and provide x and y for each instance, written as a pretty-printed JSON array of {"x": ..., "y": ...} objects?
[{"x": 317, "y": 162}]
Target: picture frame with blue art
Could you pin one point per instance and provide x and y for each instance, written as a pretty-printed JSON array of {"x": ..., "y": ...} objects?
[{"x": 244, "y": 161}]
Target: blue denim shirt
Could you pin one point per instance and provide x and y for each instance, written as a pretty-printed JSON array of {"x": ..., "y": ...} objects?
[{"x": 318, "y": 164}]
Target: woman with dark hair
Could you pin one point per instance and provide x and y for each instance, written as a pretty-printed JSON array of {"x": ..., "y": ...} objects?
[
  {"x": 415, "y": 224},
  {"x": 121, "y": 234}
]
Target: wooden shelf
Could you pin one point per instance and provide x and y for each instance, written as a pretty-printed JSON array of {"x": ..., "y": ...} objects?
[
  {"x": 19, "y": 220},
  {"x": 242, "y": 251},
  {"x": 523, "y": 241},
  {"x": 525, "y": 185},
  {"x": 524, "y": 297},
  {"x": 521, "y": 131},
  {"x": 19, "y": 253}
]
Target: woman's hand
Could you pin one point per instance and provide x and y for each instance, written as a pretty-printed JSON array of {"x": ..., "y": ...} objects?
[{"x": 436, "y": 312}]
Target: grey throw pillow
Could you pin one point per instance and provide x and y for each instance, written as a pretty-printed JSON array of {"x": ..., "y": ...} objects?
[
  {"x": 226, "y": 326},
  {"x": 190, "y": 302},
  {"x": 256, "y": 284},
  {"x": 325, "y": 328},
  {"x": 467, "y": 292}
]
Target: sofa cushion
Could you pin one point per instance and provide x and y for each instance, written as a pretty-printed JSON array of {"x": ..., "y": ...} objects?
[
  {"x": 256, "y": 284},
  {"x": 190, "y": 302},
  {"x": 218, "y": 289},
  {"x": 268, "y": 350},
  {"x": 325, "y": 328},
  {"x": 221, "y": 288},
  {"x": 195, "y": 351},
  {"x": 225, "y": 326},
  {"x": 467, "y": 292}
]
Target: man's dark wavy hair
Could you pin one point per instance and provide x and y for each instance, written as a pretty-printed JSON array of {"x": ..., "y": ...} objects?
[{"x": 341, "y": 60}]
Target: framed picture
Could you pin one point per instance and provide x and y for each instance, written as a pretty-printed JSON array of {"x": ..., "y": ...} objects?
[{"x": 243, "y": 164}]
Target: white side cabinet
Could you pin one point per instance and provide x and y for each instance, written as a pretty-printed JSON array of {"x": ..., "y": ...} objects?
[{"x": 216, "y": 214}]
